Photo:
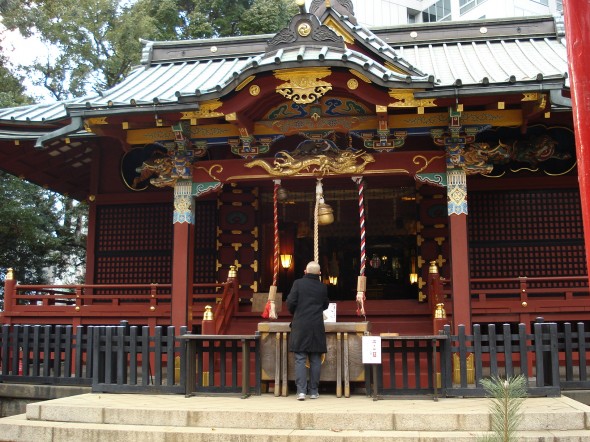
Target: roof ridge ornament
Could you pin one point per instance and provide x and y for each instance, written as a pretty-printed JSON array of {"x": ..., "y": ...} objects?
[
  {"x": 345, "y": 7},
  {"x": 305, "y": 29}
]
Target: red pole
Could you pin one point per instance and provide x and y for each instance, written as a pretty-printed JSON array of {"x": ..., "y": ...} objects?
[
  {"x": 577, "y": 24},
  {"x": 9, "y": 294}
]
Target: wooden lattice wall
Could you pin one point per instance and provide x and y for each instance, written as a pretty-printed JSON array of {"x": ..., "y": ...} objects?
[
  {"x": 238, "y": 237},
  {"x": 134, "y": 244},
  {"x": 432, "y": 234},
  {"x": 526, "y": 233},
  {"x": 205, "y": 269}
]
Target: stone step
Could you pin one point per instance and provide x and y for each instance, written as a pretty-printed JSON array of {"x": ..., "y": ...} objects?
[
  {"x": 145, "y": 418},
  {"x": 19, "y": 429}
]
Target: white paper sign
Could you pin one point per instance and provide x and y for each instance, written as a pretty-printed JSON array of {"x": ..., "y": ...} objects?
[
  {"x": 371, "y": 349},
  {"x": 330, "y": 313}
]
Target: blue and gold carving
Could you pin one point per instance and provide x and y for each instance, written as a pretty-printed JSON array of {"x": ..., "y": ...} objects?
[
  {"x": 183, "y": 211},
  {"x": 163, "y": 164},
  {"x": 437, "y": 178},
  {"x": 456, "y": 192},
  {"x": 548, "y": 150},
  {"x": 326, "y": 107},
  {"x": 200, "y": 189},
  {"x": 250, "y": 146}
]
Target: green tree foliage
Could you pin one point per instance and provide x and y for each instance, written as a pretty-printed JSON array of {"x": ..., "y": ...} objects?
[
  {"x": 268, "y": 16},
  {"x": 12, "y": 92},
  {"x": 41, "y": 233},
  {"x": 189, "y": 19},
  {"x": 98, "y": 41}
]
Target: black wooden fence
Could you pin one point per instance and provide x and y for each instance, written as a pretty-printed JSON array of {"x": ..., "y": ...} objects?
[
  {"x": 505, "y": 353},
  {"x": 553, "y": 357},
  {"x": 130, "y": 360},
  {"x": 45, "y": 354}
]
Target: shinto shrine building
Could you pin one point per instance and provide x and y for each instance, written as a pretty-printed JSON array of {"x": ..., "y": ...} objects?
[{"x": 445, "y": 154}]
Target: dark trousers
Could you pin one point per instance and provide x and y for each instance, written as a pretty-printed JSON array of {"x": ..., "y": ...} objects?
[{"x": 315, "y": 365}]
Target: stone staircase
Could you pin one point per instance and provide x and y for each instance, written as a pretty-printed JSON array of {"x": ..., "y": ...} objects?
[{"x": 143, "y": 418}]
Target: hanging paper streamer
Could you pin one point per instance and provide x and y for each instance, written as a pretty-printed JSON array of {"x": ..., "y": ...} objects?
[{"x": 362, "y": 280}]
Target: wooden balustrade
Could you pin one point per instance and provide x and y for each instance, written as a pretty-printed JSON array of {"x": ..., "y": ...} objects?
[{"x": 102, "y": 304}]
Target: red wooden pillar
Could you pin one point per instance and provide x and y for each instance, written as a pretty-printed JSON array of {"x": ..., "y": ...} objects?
[
  {"x": 182, "y": 255},
  {"x": 577, "y": 24},
  {"x": 91, "y": 241},
  {"x": 181, "y": 274},
  {"x": 460, "y": 272},
  {"x": 9, "y": 292},
  {"x": 92, "y": 216}
]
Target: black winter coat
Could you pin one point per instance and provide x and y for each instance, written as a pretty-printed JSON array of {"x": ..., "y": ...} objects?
[{"x": 307, "y": 301}]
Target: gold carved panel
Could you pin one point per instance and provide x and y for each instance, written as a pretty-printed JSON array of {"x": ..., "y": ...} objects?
[{"x": 303, "y": 86}]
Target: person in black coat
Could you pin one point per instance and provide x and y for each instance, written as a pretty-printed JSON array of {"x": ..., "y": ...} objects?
[{"x": 307, "y": 301}]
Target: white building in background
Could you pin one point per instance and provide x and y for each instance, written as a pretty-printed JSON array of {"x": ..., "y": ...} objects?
[{"x": 400, "y": 12}]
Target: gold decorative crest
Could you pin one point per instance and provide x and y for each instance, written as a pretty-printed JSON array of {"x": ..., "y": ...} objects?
[
  {"x": 303, "y": 86},
  {"x": 304, "y": 29},
  {"x": 352, "y": 84}
]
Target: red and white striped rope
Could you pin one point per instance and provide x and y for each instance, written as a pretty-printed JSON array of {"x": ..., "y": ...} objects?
[
  {"x": 275, "y": 274},
  {"x": 361, "y": 190}
]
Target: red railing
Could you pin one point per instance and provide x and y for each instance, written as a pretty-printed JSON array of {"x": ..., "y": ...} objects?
[
  {"x": 550, "y": 297},
  {"x": 99, "y": 304},
  {"x": 492, "y": 300},
  {"x": 226, "y": 307}
]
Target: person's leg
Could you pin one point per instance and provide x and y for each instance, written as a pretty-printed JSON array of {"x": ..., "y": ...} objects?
[
  {"x": 315, "y": 366},
  {"x": 301, "y": 372}
]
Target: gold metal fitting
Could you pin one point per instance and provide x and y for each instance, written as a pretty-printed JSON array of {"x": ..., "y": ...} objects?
[
  {"x": 232, "y": 272},
  {"x": 208, "y": 314},
  {"x": 524, "y": 303},
  {"x": 440, "y": 312},
  {"x": 10, "y": 273},
  {"x": 152, "y": 308},
  {"x": 433, "y": 268}
]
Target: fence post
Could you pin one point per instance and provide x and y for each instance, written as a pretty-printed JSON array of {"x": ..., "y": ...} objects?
[
  {"x": 446, "y": 360},
  {"x": 541, "y": 330},
  {"x": 97, "y": 360}
]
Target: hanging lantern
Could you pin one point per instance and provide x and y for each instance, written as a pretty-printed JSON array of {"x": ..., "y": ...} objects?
[
  {"x": 413, "y": 274},
  {"x": 286, "y": 260}
]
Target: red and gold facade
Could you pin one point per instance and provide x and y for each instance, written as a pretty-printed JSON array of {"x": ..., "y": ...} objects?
[{"x": 484, "y": 187}]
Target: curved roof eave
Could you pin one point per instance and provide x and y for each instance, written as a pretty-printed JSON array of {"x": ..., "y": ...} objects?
[{"x": 313, "y": 57}]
